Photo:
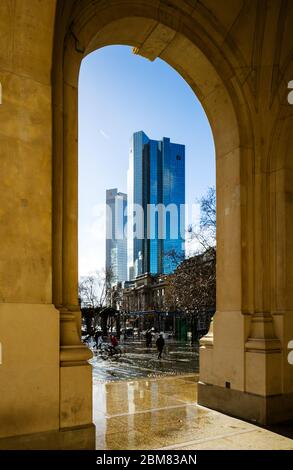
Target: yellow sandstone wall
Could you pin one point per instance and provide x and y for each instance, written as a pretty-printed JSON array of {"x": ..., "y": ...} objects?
[{"x": 29, "y": 324}]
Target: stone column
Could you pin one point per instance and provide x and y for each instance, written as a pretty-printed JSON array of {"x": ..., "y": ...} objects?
[
  {"x": 75, "y": 371},
  {"x": 70, "y": 318}
]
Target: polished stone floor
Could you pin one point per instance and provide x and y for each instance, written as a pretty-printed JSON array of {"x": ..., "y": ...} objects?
[{"x": 162, "y": 413}]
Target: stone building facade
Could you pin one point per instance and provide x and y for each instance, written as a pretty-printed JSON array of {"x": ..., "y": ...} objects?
[{"x": 141, "y": 301}]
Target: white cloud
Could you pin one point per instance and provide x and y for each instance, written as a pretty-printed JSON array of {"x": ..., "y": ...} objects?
[{"x": 104, "y": 134}]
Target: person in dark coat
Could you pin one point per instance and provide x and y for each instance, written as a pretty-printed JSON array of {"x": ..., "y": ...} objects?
[
  {"x": 160, "y": 343},
  {"x": 148, "y": 338},
  {"x": 98, "y": 339},
  {"x": 114, "y": 343}
]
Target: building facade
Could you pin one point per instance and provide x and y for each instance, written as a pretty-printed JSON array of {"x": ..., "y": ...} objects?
[
  {"x": 141, "y": 304},
  {"x": 156, "y": 192},
  {"x": 116, "y": 237}
]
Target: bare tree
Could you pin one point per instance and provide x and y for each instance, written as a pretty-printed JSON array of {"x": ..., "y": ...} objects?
[
  {"x": 191, "y": 288},
  {"x": 92, "y": 291},
  {"x": 208, "y": 211},
  {"x": 205, "y": 233},
  {"x": 88, "y": 292},
  {"x": 93, "y": 288},
  {"x": 175, "y": 257}
]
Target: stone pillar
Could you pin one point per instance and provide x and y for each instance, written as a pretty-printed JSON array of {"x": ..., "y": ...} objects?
[
  {"x": 75, "y": 371},
  {"x": 70, "y": 206}
]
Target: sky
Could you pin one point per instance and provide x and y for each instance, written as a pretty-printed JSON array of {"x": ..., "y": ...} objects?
[{"x": 121, "y": 93}]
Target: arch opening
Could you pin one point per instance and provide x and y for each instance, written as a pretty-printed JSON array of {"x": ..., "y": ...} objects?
[
  {"x": 210, "y": 76},
  {"x": 120, "y": 94}
]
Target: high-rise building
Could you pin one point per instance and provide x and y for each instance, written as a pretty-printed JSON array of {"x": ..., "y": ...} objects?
[
  {"x": 116, "y": 236},
  {"x": 156, "y": 205}
]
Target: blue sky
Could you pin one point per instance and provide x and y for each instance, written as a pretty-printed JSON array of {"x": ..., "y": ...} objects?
[{"x": 121, "y": 93}]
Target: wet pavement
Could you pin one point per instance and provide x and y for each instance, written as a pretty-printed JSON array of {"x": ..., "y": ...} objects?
[
  {"x": 162, "y": 413},
  {"x": 138, "y": 361},
  {"x": 141, "y": 402}
]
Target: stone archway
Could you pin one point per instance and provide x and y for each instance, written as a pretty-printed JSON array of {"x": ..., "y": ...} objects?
[
  {"x": 177, "y": 37},
  {"x": 237, "y": 57},
  {"x": 240, "y": 365}
]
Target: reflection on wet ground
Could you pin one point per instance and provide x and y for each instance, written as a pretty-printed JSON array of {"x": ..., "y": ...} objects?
[
  {"x": 141, "y": 402},
  {"x": 162, "y": 413},
  {"x": 138, "y": 361}
]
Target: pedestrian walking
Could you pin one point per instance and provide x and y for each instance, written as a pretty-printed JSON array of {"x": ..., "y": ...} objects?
[
  {"x": 160, "y": 343},
  {"x": 148, "y": 338},
  {"x": 114, "y": 343},
  {"x": 122, "y": 336},
  {"x": 98, "y": 339}
]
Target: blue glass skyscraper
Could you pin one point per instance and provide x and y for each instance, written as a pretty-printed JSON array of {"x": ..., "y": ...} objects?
[
  {"x": 156, "y": 199},
  {"x": 116, "y": 237}
]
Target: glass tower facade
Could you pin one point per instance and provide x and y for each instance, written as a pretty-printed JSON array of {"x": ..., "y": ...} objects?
[
  {"x": 116, "y": 237},
  {"x": 156, "y": 199}
]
